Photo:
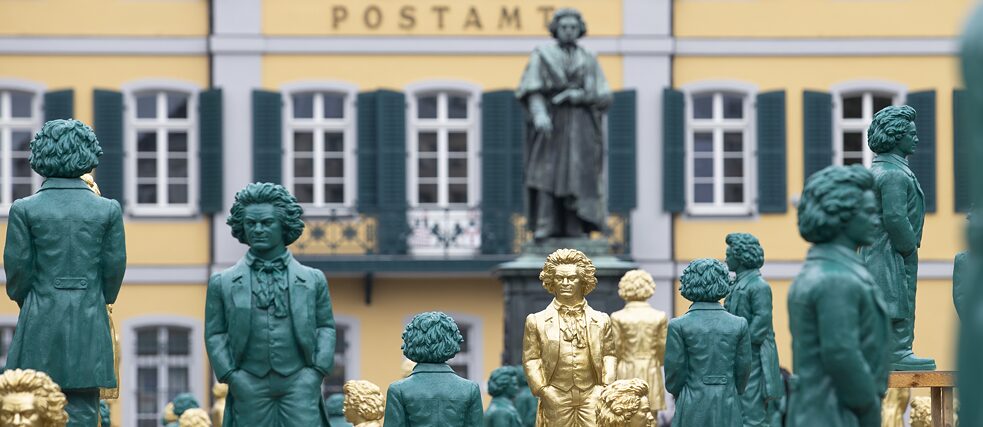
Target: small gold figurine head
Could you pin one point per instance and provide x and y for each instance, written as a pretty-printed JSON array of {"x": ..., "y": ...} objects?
[
  {"x": 636, "y": 285},
  {"x": 91, "y": 182},
  {"x": 568, "y": 275},
  {"x": 30, "y": 398},
  {"x": 169, "y": 416},
  {"x": 921, "y": 412},
  {"x": 624, "y": 403},
  {"x": 363, "y": 402},
  {"x": 220, "y": 390},
  {"x": 195, "y": 417}
]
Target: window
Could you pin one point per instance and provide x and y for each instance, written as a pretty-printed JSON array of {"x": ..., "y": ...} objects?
[
  {"x": 467, "y": 363},
  {"x": 334, "y": 382},
  {"x": 19, "y": 119},
  {"x": 853, "y": 113},
  {"x": 162, "y": 151},
  {"x": 718, "y": 152},
  {"x": 163, "y": 369},
  {"x": 319, "y": 164},
  {"x": 443, "y": 149}
]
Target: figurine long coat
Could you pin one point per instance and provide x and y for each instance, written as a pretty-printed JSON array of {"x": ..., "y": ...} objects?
[
  {"x": 641, "y": 347},
  {"x": 502, "y": 413},
  {"x": 65, "y": 257},
  {"x": 840, "y": 342},
  {"x": 433, "y": 395},
  {"x": 708, "y": 359}
]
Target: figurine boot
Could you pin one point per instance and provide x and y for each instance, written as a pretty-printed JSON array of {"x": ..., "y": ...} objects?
[{"x": 904, "y": 358}]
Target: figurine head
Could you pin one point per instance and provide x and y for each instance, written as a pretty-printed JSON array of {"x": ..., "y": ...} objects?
[
  {"x": 30, "y": 398},
  {"x": 705, "y": 280},
  {"x": 568, "y": 275},
  {"x": 567, "y": 25},
  {"x": 502, "y": 382},
  {"x": 921, "y": 412},
  {"x": 183, "y": 402},
  {"x": 194, "y": 417},
  {"x": 363, "y": 402},
  {"x": 431, "y": 337},
  {"x": 335, "y": 405},
  {"x": 624, "y": 403},
  {"x": 893, "y": 128},
  {"x": 636, "y": 285},
  {"x": 520, "y": 376},
  {"x": 220, "y": 390},
  {"x": 265, "y": 216},
  {"x": 64, "y": 149},
  {"x": 839, "y": 200},
  {"x": 744, "y": 252}
]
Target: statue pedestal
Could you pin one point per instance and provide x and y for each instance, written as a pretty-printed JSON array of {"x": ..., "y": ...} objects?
[{"x": 524, "y": 293}]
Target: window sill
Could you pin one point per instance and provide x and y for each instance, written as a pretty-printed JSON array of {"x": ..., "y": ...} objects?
[
  {"x": 719, "y": 212},
  {"x": 317, "y": 212},
  {"x": 144, "y": 212}
]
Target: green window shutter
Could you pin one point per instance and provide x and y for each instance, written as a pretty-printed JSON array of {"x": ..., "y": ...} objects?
[
  {"x": 961, "y": 153},
  {"x": 390, "y": 117},
  {"x": 210, "y": 150},
  {"x": 107, "y": 118},
  {"x": 267, "y": 136},
  {"x": 673, "y": 151},
  {"x": 368, "y": 160},
  {"x": 923, "y": 161},
  {"x": 817, "y": 132},
  {"x": 501, "y": 171},
  {"x": 772, "y": 179},
  {"x": 59, "y": 104},
  {"x": 621, "y": 153}
]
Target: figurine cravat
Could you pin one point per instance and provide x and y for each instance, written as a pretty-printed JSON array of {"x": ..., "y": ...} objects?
[
  {"x": 29, "y": 398},
  {"x": 269, "y": 328},
  {"x": 750, "y": 298},
  {"x": 568, "y": 348},
  {"x": 363, "y": 405},
  {"x": 708, "y": 351},
  {"x": 641, "y": 336},
  {"x": 65, "y": 256},
  {"x": 502, "y": 387},
  {"x": 840, "y": 330},
  {"x": 430, "y": 340},
  {"x": 624, "y": 403}
]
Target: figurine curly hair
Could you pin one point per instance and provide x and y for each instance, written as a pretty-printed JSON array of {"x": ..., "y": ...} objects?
[
  {"x": 585, "y": 269},
  {"x": 830, "y": 199},
  {"x": 503, "y": 382},
  {"x": 363, "y": 402},
  {"x": 285, "y": 204},
  {"x": 431, "y": 337},
  {"x": 636, "y": 285},
  {"x": 49, "y": 401},
  {"x": 620, "y": 401},
  {"x": 705, "y": 280},
  {"x": 64, "y": 149},
  {"x": 747, "y": 249},
  {"x": 889, "y": 127},
  {"x": 194, "y": 417},
  {"x": 563, "y": 13}
]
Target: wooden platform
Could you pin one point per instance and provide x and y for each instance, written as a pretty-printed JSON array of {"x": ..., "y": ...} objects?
[{"x": 941, "y": 384}]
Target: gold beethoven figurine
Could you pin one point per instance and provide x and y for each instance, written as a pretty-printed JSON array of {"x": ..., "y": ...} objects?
[
  {"x": 194, "y": 417},
  {"x": 568, "y": 348},
  {"x": 624, "y": 403},
  {"x": 364, "y": 404},
  {"x": 219, "y": 392},
  {"x": 29, "y": 398},
  {"x": 641, "y": 336}
]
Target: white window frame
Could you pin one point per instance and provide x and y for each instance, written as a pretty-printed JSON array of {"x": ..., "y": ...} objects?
[
  {"x": 128, "y": 343},
  {"x": 6, "y": 150},
  {"x": 348, "y": 127},
  {"x": 472, "y": 126},
  {"x": 747, "y": 125},
  {"x": 867, "y": 88},
  {"x": 131, "y": 126},
  {"x": 353, "y": 357}
]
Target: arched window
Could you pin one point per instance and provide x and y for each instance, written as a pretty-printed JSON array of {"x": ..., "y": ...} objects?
[
  {"x": 20, "y": 118},
  {"x": 854, "y": 106}
]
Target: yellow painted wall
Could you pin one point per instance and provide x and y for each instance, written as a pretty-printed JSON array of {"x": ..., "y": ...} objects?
[
  {"x": 423, "y": 17},
  {"x": 105, "y": 17},
  {"x": 779, "y": 233},
  {"x": 819, "y": 18},
  {"x": 394, "y": 71}
]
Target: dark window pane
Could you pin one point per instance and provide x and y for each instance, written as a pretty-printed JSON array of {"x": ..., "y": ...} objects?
[
  {"x": 457, "y": 142},
  {"x": 21, "y": 191},
  {"x": 147, "y": 423},
  {"x": 177, "y": 168},
  {"x": 880, "y": 102},
  {"x": 177, "y": 142},
  {"x": 457, "y": 193},
  {"x": 334, "y": 193},
  {"x": 703, "y": 106},
  {"x": 703, "y": 168},
  {"x": 465, "y": 333},
  {"x": 703, "y": 193},
  {"x": 177, "y": 194},
  {"x": 847, "y": 161},
  {"x": 147, "y": 168},
  {"x": 303, "y": 142},
  {"x": 853, "y": 107},
  {"x": 303, "y": 104},
  {"x": 457, "y": 107},
  {"x": 177, "y": 105},
  {"x": 427, "y": 168},
  {"x": 147, "y": 142},
  {"x": 21, "y": 167},
  {"x": 703, "y": 142},
  {"x": 177, "y": 381},
  {"x": 734, "y": 168},
  {"x": 20, "y": 104},
  {"x": 733, "y": 141},
  {"x": 304, "y": 167},
  {"x": 147, "y": 390},
  {"x": 427, "y": 142},
  {"x": 304, "y": 193},
  {"x": 853, "y": 141},
  {"x": 147, "y": 342},
  {"x": 427, "y": 193},
  {"x": 147, "y": 193},
  {"x": 334, "y": 382},
  {"x": 733, "y": 193},
  {"x": 457, "y": 168},
  {"x": 334, "y": 168},
  {"x": 733, "y": 106},
  {"x": 426, "y": 107},
  {"x": 334, "y": 142},
  {"x": 20, "y": 140},
  {"x": 341, "y": 339},
  {"x": 334, "y": 105},
  {"x": 147, "y": 105}
]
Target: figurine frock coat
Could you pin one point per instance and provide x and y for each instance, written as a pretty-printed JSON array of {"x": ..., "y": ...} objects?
[
  {"x": 708, "y": 359},
  {"x": 840, "y": 342},
  {"x": 641, "y": 346},
  {"x": 65, "y": 256},
  {"x": 502, "y": 413},
  {"x": 433, "y": 395}
]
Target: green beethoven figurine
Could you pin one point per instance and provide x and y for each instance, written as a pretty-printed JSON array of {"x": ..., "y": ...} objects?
[
  {"x": 962, "y": 278},
  {"x": 708, "y": 351},
  {"x": 64, "y": 257},
  {"x": 433, "y": 395},
  {"x": 893, "y": 257},
  {"x": 269, "y": 329},
  {"x": 335, "y": 406},
  {"x": 502, "y": 387},
  {"x": 525, "y": 402},
  {"x": 565, "y": 95},
  {"x": 750, "y": 298},
  {"x": 840, "y": 330}
]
